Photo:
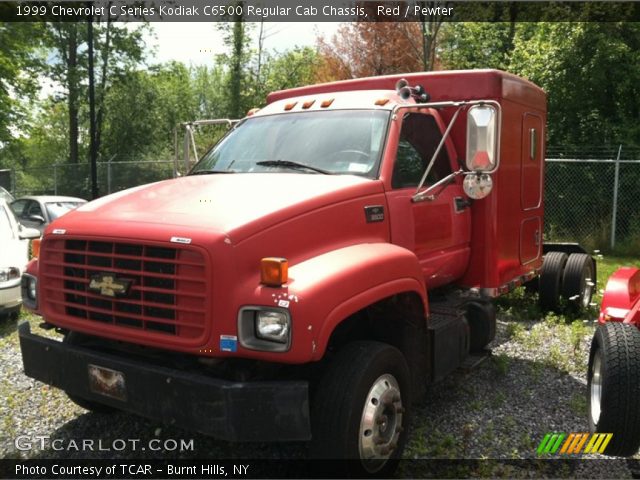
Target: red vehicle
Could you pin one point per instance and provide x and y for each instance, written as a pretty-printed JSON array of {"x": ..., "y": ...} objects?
[
  {"x": 330, "y": 257},
  {"x": 614, "y": 364}
]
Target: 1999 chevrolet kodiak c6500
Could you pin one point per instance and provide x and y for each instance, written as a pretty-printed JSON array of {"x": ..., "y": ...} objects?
[{"x": 331, "y": 256}]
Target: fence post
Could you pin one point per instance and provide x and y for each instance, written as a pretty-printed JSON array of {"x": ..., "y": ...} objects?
[{"x": 614, "y": 215}]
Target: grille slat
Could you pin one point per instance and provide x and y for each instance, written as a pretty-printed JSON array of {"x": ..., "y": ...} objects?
[
  {"x": 146, "y": 273},
  {"x": 97, "y": 310},
  {"x": 141, "y": 286},
  {"x": 123, "y": 301},
  {"x": 122, "y": 256}
]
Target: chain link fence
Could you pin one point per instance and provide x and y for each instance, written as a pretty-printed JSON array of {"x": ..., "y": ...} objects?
[
  {"x": 590, "y": 192},
  {"x": 591, "y": 195},
  {"x": 74, "y": 179}
]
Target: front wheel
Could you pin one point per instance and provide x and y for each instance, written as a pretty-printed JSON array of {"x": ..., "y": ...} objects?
[
  {"x": 613, "y": 384},
  {"x": 360, "y": 409}
]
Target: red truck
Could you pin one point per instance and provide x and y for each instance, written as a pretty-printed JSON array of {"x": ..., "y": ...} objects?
[{"x": 334, "y": 254}]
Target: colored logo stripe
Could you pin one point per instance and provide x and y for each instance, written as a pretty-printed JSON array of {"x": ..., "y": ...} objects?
[{"x": 574, "y": 443}]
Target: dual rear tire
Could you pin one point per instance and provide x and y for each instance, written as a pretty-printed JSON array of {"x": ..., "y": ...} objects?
[{"x": 569, "y": 277}]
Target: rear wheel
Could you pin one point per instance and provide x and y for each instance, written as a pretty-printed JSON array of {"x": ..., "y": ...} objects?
[
  {"x": 613, "y": 386},
  {"x": 75, "y": 338},
  {"x": 360, "y": 409},
  {"x": 551, "y": 280},
  {"x": 578, "y": 281}
]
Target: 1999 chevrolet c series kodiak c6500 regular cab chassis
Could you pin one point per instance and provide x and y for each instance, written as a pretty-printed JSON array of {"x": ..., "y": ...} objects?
[{"x": 336, "y": 252}]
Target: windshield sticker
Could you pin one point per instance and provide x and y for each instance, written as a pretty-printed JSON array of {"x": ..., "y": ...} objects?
[{"x": 359, "y": 167}]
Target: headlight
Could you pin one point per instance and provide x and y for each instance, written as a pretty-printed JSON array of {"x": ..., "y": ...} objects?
[
  {"x": 272, "y": 326},
  {"x": 9, "y": 273},
  {"x": 264, "y": 328},
  {"x": 32, "y": 285}
]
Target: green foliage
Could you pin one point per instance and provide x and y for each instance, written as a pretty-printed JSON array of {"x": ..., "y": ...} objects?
[{"x": 20, "y": 63}]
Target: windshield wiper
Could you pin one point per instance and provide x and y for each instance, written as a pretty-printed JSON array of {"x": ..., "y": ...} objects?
[
  {"x": 290, "y": 164},
  {"x": 209, "y": 172}
]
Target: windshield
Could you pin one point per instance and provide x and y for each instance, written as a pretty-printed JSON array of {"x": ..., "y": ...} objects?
[
  {"x": 56, "y": 209},
  {"x": 341, "y": 141}
]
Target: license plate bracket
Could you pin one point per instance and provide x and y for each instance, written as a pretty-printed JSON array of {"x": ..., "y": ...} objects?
[{"x": 107, "y": 382}]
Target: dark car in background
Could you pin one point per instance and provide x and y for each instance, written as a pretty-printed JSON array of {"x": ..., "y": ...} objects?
[{"x": 40, "y": 210}]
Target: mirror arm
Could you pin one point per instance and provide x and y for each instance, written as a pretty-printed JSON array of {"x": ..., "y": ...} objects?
[
  {"x": 435, "y": 154},
  {"x": 426, "y": 194}
]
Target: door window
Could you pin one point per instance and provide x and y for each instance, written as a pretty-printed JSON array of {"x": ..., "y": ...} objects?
[{"x": 419, "y": 139}]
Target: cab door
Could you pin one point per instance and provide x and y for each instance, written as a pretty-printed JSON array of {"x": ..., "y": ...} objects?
[{"x": 438, "y": 231}]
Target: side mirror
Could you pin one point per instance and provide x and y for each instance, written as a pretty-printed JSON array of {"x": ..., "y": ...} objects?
[
  {"x": 27, "y": 233},
  {"x": 482, "y": 138},
  {"x": 36, "y": 218}
]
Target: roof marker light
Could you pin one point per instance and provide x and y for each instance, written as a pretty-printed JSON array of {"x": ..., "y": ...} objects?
[
  {"x": 327, "y": 103},
  {"x": 308, "y": 103},
  {"x": 289, "y": 106},
  {"x": 381, "y": 102}
]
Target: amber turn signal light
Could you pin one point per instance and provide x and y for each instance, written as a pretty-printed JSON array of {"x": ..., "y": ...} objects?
[
  {"x": 274, "y": 271},
  {"x": 35, "y": 247}
]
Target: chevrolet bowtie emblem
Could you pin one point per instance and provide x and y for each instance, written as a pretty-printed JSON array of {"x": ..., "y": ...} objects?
[{"x": 107, "y": 284}]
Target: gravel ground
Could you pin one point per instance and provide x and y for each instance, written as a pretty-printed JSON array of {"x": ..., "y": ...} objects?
[{"x": 534, "y": 383}]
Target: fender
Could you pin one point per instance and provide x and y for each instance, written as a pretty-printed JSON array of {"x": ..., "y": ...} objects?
[
  {"x": 621, "y": 299},
  {"x": 339, "y": 283}
]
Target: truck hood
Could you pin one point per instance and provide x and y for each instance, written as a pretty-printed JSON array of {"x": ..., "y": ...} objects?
[{"x": 237, "y": 205}]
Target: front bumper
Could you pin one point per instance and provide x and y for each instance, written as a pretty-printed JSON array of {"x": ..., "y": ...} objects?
[{"x": 236, "y": 411}]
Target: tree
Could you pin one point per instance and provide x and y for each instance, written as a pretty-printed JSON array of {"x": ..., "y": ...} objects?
[
  {"x": 20, "y": 65},
  {"x": 117, "y": 49},
  {"x": 363, "y": 49}
]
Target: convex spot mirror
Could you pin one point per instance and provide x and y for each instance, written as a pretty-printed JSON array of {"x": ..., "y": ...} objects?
[{"x": 482, "y": 138}]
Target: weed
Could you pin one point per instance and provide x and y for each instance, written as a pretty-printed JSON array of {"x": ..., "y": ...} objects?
[
  {"x": 499, "y": 399},
  {"x": 578, "y": 404},
  {"x": 501, "y": 362}
]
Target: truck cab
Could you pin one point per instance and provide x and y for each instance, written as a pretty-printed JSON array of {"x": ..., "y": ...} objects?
[{"x": 336, "y": 252}]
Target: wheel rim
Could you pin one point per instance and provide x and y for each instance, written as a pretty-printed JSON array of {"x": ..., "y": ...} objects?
[
  {"x": 587, "y": 290},
  {"x": 381, "y": 423},
  {"x": 596, "y": 388}
]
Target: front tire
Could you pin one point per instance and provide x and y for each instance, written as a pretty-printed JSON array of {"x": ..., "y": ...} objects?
[
  {"x": 360, "y": 411},
  {"x": 614, "y": 386}
]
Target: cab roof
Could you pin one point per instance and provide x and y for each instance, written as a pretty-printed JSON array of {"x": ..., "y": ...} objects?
[
  {"x": 450, "y": 85},
  {"x": 362, "y": 99}
]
